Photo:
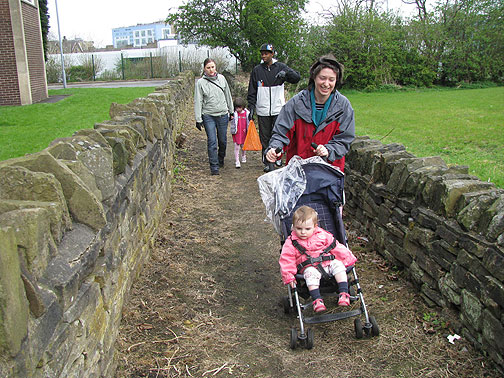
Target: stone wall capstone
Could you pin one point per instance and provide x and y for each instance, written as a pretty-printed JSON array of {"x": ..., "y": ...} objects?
[
  {"x": 444, "y": 227},
  {"x": 77, "y": 222}
]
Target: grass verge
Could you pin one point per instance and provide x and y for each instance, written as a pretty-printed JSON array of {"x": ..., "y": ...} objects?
[
  {"x": 28, "y": 129},
  {"x": 464, "y": 127}
]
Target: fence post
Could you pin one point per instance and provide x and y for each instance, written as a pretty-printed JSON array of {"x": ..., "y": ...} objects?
[
  {"x": 122, "y": 65},
  {"x": 151, "y": 68},
  {"x": 92, "y": 63},
  {"x": 180, "y": 60}
]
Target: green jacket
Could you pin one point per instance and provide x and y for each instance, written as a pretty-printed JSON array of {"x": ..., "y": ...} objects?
[{"x": 212, "y": 97}]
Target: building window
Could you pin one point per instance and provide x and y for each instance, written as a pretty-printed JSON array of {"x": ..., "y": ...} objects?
[
  {"x": 137, "y": 33},
  {"x": 166, "y": 33},
  {"x": 137, "y": 42},
  {"x": 150, "y": 40},
  {"x": 143, "y": 33}
]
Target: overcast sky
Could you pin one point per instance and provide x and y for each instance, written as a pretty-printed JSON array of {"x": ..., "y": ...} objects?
[{"x": 93, "y": 20}]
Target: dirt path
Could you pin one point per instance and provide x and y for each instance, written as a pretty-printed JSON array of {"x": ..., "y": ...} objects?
[{"x": 207, "y": 302}]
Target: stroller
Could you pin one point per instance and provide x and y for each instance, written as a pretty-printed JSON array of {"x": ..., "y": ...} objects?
[{"x": 314, "y": 183}]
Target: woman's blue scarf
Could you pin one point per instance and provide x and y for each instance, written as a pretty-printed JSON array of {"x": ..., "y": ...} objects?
[{"x": 319, "y": 115}]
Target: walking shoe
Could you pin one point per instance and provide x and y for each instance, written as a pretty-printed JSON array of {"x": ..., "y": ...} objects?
[
  {"x": 237, "y": 164},
  {"x": 344, "y": 299},
  {"x": 215, "y": 172},
  {"x": 244, "y": 159},
  {"x": 318, "y": 305}
]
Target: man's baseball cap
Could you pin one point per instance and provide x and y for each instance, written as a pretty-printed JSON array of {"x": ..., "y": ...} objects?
[{"x": 267, "y": 47}]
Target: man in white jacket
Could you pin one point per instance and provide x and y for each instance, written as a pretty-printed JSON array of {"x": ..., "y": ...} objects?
[{"x": 266, "y": 93}]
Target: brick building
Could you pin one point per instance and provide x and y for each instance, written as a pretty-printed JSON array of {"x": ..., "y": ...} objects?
[{"x": 22, "y": 66}]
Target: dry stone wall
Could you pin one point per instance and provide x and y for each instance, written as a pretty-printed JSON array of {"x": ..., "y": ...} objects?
[
  {"x": 444, "y": 227},
  {"x": 77, "y": 221}
]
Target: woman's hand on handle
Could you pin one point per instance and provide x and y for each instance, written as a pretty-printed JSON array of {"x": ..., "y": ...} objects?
[
  {"x": 272, "y": 155},
  {"x": 320, "y": 150}
]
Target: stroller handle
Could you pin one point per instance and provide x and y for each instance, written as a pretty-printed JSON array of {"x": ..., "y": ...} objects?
[{"x": 315, "y": 145}]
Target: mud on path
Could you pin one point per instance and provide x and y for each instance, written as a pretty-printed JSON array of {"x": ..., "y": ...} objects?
[{"x": 207, "y": 302}]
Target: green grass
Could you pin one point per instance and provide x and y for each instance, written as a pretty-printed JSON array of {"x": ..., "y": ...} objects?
[
  {"x": 464, "y": 127},
  {"x": 30, "y": 128}
]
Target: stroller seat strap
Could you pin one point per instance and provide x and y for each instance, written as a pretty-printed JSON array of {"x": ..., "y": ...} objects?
[{"x": 315, "y": 261}]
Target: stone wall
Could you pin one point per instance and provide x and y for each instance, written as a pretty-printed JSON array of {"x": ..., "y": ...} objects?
[
  {"x": 77, "y": 221},
  {"x": 444, "y": 227}
]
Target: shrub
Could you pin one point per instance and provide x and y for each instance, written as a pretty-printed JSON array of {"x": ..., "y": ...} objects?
[
  {"x": 79, "y": 73},
  {"x": 53, "y": 69},
  {"x": 109, "y": 75}
]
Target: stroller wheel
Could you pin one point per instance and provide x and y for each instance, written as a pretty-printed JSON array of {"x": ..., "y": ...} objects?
[
  {"x": 293, "y": 338},
  {"x": 286, "y": 305},
  {"x": 375, "y": 330},
  {"x": 309, "y": 338},
  {"x": 359, "y": 331}
]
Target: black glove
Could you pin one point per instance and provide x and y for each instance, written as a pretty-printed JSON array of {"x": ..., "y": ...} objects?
[
  {"x": 251, "y": 114},
  {"x": 199, "y": 125},
  {"x": 231, "y": 116},
  {"x": 281, "y": 75}
]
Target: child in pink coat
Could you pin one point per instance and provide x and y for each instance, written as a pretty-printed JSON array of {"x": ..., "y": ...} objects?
[
  {"x": 314, "y": 240},
  {"x": 239, "y": 128}
]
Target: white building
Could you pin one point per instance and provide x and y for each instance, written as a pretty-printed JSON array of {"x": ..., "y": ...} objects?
[{"x": 141, "y": 35}]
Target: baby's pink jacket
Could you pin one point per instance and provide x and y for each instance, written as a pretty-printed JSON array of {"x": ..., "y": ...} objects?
[{"x": 290, "y": 257}]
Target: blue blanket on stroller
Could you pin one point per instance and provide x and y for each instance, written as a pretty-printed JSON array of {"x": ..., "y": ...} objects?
[{"x": 300, "y": 182}]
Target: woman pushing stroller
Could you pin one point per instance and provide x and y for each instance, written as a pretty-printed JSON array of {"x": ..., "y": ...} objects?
[
  {"x": 318, "y": 121},
  {"x": 315, "y": 253}
]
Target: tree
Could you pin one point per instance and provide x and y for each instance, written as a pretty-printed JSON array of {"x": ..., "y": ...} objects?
[
  {"x": 374, "y": 47},
  {"x": 461, "y": 39},
  {"x": 242, "y": 26},
  {"x": 452, "y": 42},
  {"x": 471, "y": 49},
  {"x": 44, "y": 23}
]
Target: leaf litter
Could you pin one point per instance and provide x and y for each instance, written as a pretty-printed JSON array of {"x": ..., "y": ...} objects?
[{"x": 207, "y": 301}]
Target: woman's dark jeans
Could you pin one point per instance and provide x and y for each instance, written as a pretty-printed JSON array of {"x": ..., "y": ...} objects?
[{"x": 216, "y": 131}]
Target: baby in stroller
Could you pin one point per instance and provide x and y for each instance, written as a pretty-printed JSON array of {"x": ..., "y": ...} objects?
[
  {"x": 316, "y": 188},
  {"x": 315, "y": 253}
]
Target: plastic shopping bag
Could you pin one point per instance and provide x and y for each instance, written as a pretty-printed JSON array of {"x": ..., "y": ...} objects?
[{"x": 252, "y": 141}]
